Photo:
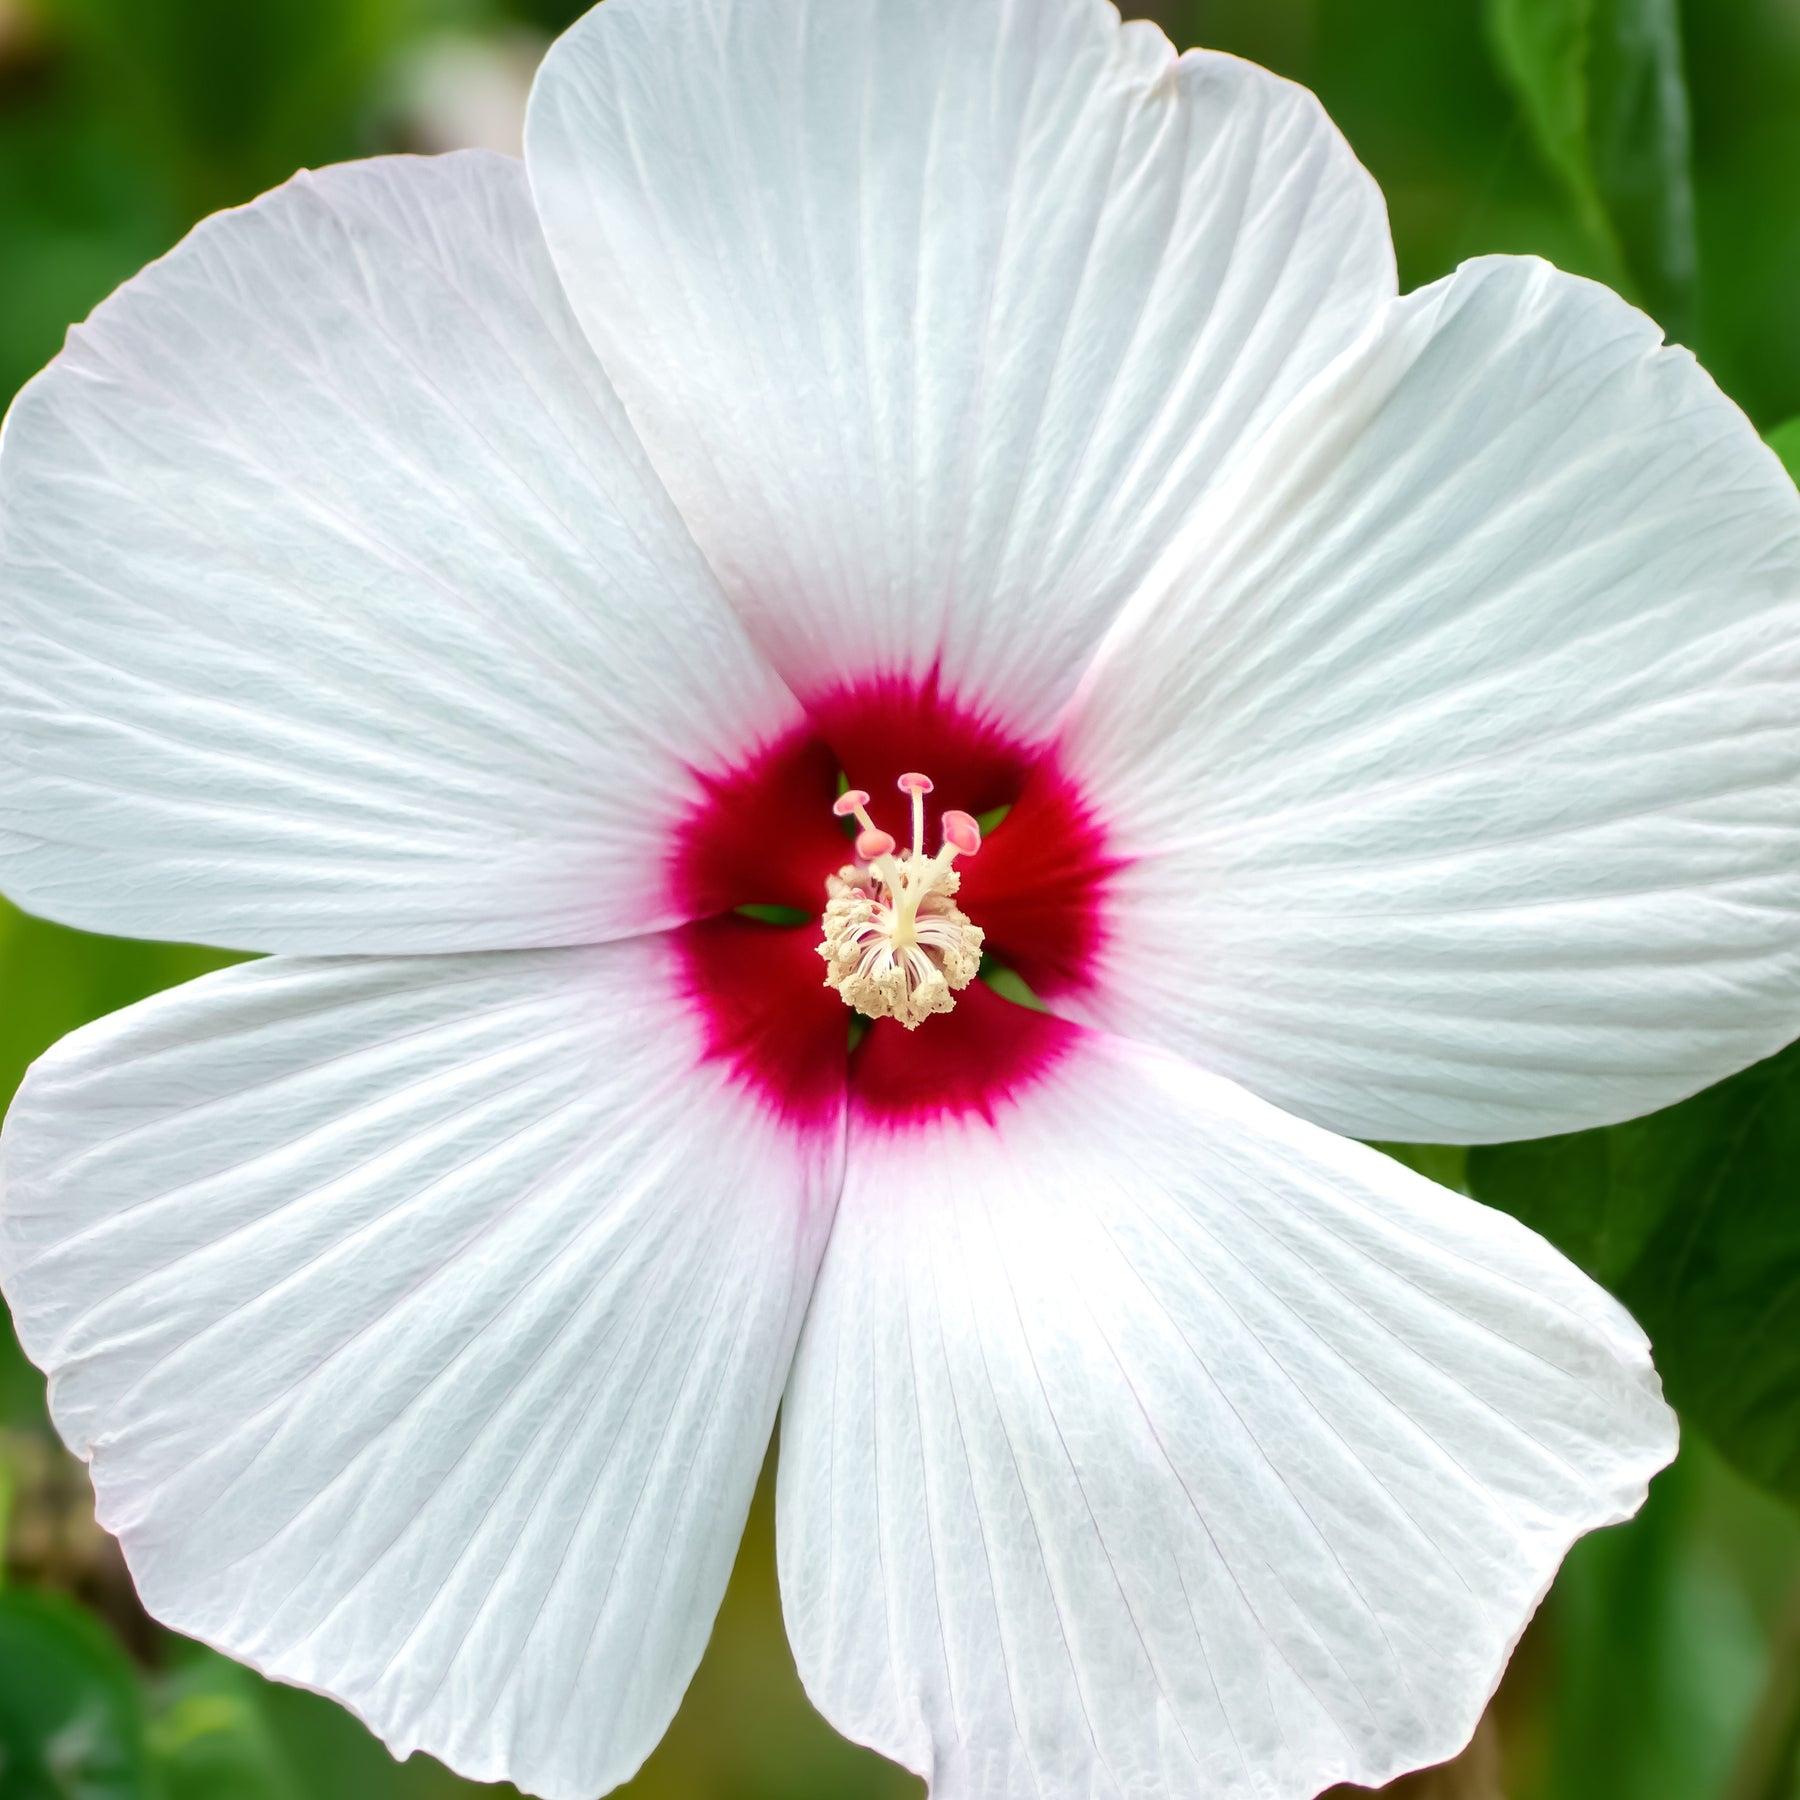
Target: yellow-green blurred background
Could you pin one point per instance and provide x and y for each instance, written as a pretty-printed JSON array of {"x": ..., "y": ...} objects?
[{"x": 1666, "y": 1662}]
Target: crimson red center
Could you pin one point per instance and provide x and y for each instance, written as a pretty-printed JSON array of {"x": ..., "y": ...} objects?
[{"x": 764, "y": 835}]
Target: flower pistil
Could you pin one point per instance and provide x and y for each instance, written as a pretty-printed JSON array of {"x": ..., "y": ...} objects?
[{"x": 896, "y": 943}]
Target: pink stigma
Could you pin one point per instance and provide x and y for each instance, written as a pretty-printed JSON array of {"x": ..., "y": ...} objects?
[{"x": 962, "y": 833}]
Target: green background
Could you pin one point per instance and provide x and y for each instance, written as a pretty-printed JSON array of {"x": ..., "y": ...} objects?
[{"x": 1653, "y": 147}]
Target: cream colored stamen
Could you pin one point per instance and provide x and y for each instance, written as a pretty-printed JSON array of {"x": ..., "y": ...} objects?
[{"x": 896, "y": 945}]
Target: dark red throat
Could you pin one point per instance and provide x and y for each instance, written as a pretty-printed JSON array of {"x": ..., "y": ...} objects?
[{"x": 764, "y": 835}]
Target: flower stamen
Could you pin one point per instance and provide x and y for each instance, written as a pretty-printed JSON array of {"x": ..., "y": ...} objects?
[
  {"x": 896, "y": 944},
  {"x": 918, "y": 786}
]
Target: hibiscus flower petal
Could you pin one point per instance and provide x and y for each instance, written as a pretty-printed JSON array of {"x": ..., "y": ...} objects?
[
  {"x": 423, "y": 1322},
  {"x": 1454, "y": 756},
  {"x": 1145, "y": 1439},
  {"x": 937, "y": 315},
  {"x": 343, "y": 610}
]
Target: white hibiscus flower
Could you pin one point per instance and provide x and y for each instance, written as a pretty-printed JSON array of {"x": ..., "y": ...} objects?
[{"x": 471, "y": 581}]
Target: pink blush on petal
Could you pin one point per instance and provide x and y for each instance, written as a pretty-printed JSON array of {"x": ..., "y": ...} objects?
[
  {"x": 766, "y": 1015},
  {"x": 1040, "y": 886},
  {"x": 771, "y": 830},
  {"x": 968, "y": 1064},
  {"x": 761, "y": 834},
  {"x": 884, "y": 728}
]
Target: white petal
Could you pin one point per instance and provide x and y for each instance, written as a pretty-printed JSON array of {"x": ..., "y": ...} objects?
[
  {"x": 937, "y": 315},
  {"x": 1149, "y": 1441},
  {"x": 424, "y": 1323},
  {"x": 1458, "y": 746},
  {"x": 342, "y": 608}
]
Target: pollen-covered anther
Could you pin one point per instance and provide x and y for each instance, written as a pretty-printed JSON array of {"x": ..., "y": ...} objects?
[{"x": 896, "y": 945}]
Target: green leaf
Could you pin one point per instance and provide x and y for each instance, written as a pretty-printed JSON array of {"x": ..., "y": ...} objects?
[
  {"x": 1642, "y": 144},
  {"x": 1542, "y": 49},
  {"x": 1446, "y": 1164},
  {"x": 789, "y": 916},
  {"x": 331, "y": 1755},
  {"x": 231, "y": 98},
  {"x": 208, "y": 1738},
  {"x": 1597, "y": 1195},
  {"x": 71, "y": 1723},
  {"x": 1009, "y": 984},
  {"x": 1602, "y": 86},
  {"x": 21, "y": 1386},
  {"x": 1784, "y": 440},
  {"x": 1640, "y": 1627},
  {"x": 1692, "y": 1217},
  {"x": 79, "y": 213},
  {"x": 55, "y": 979}
]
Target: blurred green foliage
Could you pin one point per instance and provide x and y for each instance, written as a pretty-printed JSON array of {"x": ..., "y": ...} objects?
[
  {"x": 1650, "y": 146},
  {"x": 1786, "y": 440},
  {"x": 1692, "y": 1217},
  {"x": 222, "y": 99},
  {"x": 1602, "y": 86},
  {"x": 71, "y": 1715}
]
